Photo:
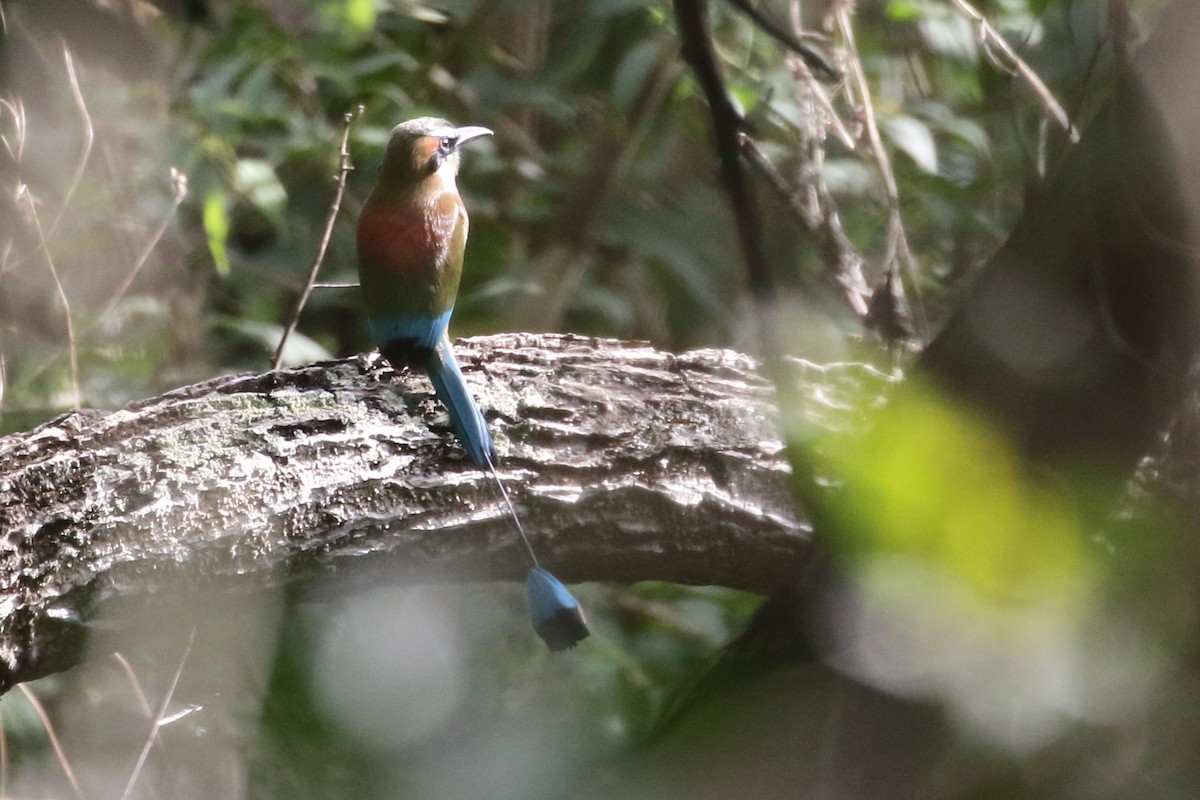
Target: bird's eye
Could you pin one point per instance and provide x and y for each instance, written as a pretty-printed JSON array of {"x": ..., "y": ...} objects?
[{"x": 446, "y": 144}]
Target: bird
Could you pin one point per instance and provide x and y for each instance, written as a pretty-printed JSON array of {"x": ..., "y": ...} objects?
[{"x": 412, "y": 237}]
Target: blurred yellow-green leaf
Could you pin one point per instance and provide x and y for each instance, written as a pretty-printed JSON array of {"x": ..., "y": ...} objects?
[{"x": 216, "y": 227}]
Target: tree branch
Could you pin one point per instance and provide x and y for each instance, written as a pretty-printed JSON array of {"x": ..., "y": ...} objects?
[
  {"x": 691, "y": 19},
  {"x": 816, "y": 60},
  {"x": 631, "y": 464}
]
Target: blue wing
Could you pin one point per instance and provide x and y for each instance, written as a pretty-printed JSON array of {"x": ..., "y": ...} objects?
[
  {"x": 422, "y": 341},
  {"x": 415, "y": 331}
]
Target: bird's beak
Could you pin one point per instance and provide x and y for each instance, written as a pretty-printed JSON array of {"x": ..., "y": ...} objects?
[{"x": 468, "y": 133}]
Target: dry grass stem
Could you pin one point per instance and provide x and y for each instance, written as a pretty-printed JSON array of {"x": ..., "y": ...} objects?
[
  {"x": 161, "y": 718},
  {"x": 16, "y": 110},
  {"x": 40, "y": 710},
  {"x": 72, "y": 350},
  {"x": 89, "y": 137},
  {"x": 179, "y": 188},
  {"x": 143, "y": 703}
]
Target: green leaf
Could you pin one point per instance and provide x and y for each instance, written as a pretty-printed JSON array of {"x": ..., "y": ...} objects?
[
  {"x": 360, "y": 15},
  {"x": 631, "y": 73},
  {"x": 299, "y": 349},
  {"x": 951, "y": 35},
  {"x": 383, "y": 62},
  {"x": 744, "y": 96},
  {"x": 216, "y": 226},
  {"x": 256, "y": 180},
  {"x": 904, "y": 11},
  {"x": 913, "y": 138}
]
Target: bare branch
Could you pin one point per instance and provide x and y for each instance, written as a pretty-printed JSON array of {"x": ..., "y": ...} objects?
[
  {"x": 858, "y": 81},
  {"x": 334, "y": 207},
  {"x": 1008, "y": 60},
  {"x": 692, "y": 21},
  {"x": 897, "y": 253},
  {"x": 812, "y": 56},
  {"x": 800, "y": 70},
  {"x": 819, "y": 217}
]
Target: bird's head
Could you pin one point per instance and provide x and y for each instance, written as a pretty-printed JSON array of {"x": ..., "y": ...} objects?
[{"x": 426, "y": 146}]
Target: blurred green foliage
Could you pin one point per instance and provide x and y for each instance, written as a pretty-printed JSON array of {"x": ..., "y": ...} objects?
[{"x": 594, "y": 210}]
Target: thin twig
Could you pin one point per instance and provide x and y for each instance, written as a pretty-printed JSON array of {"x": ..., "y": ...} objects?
[
  {"x": 896, "y": 252},
  {"x": 52, "y": 736},
  {"x": 842, "y": 261},
  {"x": 134, "y": 682},
  {"x": 829, "y": 114},
  {"x": 760, "y": 162},
  {"x": 144, "y": 704},
  {"x": 813, "y": 57},
  {"x": 23, "y": 191},
  {"x": 179, "y": 188},
  {"x": 45, "y": 234},
  {"x": 882, "y": 160},
  {"x": 16, "y": 108},
  {"x": 354, "y": 285},
  {"x": 343, "y": 172},
  {"x": 160, "y": 719},
  {"x": 89, "y": 136},
  {"x": 816, "y": 90},
  {"x": 992, "y": 39},
  {"x": 18, "y": 112},
  {"x": 845, "y": 264}
]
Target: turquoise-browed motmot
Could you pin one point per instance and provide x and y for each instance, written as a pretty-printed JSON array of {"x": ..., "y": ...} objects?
[{"x": 412, "y": 235}]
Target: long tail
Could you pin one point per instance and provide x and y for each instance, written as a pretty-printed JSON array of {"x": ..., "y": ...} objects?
[
  {"x": 468, "y": 422},
  {"x": 557, "y": 615}
]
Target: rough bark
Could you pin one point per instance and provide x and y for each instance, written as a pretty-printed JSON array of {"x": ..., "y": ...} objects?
[{"x": 627, "y": 463}]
